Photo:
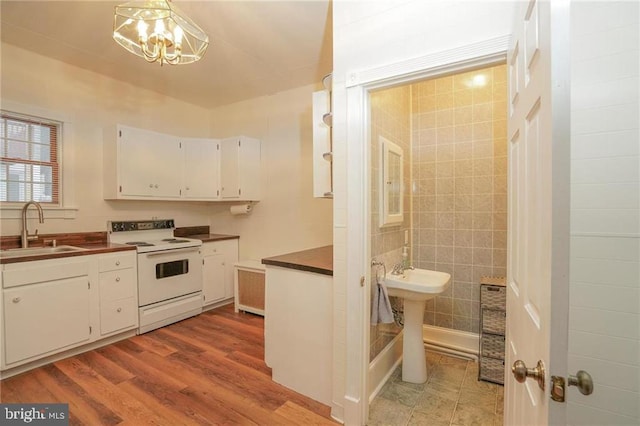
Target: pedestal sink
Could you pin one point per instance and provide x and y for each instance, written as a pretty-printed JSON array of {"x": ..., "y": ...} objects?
[{"x": 415, "y": 286}]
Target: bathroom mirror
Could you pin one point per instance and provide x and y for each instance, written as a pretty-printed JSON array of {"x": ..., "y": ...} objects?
[{"x": 391, "y": 156}]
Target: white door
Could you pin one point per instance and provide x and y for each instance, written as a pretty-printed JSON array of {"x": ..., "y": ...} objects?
[
  {"x": 537, "y": 277},
  {"x": 585, "y": 317}
]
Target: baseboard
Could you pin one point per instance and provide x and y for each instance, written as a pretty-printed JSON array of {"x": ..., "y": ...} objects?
[
  {"x": 381, "y": 368},
  {"x": 66, "y": 354},
  {"x": 217, "y": 304},
  {"x": 453, "y": 342}
]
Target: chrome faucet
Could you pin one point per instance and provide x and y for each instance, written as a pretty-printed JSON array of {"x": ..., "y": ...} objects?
[
  {"x": 400, "y": 268},
  {"x": 25, "y": 233}
]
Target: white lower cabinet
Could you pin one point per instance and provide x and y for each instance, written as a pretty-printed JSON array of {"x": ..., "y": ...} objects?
[
  {"x": 118, "y": 289},
  {"x": 44, "y": 317},
  {"x": 218, "y": 258},
  {"x": 51, "y": 306}
]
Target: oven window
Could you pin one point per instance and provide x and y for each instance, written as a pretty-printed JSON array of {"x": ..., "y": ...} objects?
[{"x": 171, "y": 269}]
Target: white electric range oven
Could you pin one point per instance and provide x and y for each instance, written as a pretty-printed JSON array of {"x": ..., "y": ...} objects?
[{"x": 169, "y": 271}]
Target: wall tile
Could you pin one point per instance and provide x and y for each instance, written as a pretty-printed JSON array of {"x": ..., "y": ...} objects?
[{"x": 460, "y": 187}]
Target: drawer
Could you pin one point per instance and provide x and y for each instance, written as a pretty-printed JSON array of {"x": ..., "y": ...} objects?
[
  {"x": 118, "y": 315},
  {"x": 493, "y": 321},
  {"x": 219, "y": 247},
  {"x": 493, "y": 296},
  {"x": 118, "y": 284},
  {"x": 111, "y": 262},
  {"x": 492, "y": 346}
]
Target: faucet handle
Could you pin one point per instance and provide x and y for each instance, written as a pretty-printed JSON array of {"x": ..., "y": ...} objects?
[{"x": 33, "y": 236}]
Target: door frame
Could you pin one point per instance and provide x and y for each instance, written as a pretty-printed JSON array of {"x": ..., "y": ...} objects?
[{"x": 358, "y": 84}]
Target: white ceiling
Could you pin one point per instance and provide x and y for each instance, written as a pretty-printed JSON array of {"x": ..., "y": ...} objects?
[{"x": 256, "y": 47}]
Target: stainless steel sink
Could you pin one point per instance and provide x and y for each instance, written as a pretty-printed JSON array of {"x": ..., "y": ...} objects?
[{"x": 37, "y": 251}]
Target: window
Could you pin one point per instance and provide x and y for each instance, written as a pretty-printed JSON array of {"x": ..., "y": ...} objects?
[{"x": 29, "y": 159}]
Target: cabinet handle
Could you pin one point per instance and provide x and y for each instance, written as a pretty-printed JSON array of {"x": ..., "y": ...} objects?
[
  {"x": 155, "y": 186},
  {"x": 117, "y": 263},
  {"x": 117, "y": 279},
  {"x": 150, "y": 185},
  {"x": 119, "y": 310},
  {"x": 16, "y": 299}
]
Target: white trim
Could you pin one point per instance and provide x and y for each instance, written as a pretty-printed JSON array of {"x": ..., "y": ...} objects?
[
  {"x": 455, "y": 342},
  {"x": 472, "y": 55},
  {"x": 14, "y": 211}
]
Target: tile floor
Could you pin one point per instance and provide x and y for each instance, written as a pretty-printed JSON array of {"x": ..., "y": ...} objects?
[{"x": 452, "y": 395}]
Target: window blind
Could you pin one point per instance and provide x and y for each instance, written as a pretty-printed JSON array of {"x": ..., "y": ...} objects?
[{"x": 29, "y": 165}]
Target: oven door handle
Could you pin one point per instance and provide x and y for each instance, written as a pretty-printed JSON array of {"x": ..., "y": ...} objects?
[{"x": 172, "y": 251}]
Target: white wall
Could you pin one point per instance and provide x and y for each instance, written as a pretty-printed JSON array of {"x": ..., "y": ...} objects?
[
  {"x": 604, "y": 320},
  {"x": 287, "y": 218},
  {"x": 90, "y": 103},
  {"x": 369, "y": 34}
]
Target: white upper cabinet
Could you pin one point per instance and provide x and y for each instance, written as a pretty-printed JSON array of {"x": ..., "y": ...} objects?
[
  {"x": 145, "y": 165},
  {"x": 240, "y": 168},
  {"x": 142, "y": 164},
  {"x": 201, "y": 169}
]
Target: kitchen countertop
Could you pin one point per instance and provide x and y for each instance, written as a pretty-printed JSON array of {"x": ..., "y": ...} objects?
[
  {"x": 207, "y": 238},
  {"x": 318, "y": 260},
  {"x": 94, "y": 248},
  {"x": 201, "y": 233}
]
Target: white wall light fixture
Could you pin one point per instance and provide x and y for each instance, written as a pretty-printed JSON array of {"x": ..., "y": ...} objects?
[{"x": 158, "y": 31}]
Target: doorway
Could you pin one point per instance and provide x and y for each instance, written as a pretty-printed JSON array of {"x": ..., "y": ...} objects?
[{"x": 452, "y": 129}]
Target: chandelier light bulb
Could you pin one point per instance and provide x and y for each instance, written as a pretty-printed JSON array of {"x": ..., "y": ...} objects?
[
  {"x": 177, "y": 36},
  {"x": 142, "y": 31},
  {"x": 158, "y": 31}
]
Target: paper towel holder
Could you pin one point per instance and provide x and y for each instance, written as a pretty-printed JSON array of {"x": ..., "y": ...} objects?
[{"x": 241, "y": 209}]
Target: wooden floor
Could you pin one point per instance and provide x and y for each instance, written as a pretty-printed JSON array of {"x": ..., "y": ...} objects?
[{"x": 204, "y": 370}]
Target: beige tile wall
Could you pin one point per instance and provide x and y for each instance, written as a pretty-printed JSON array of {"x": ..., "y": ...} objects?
[
  {"x": 460, "y": 187},
  {"x": 390, "y": 118}
]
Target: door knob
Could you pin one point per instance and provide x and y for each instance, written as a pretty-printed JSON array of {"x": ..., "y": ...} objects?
[
  {"x": 583, "y": 381},
  {"x": 521, "y": 372}
]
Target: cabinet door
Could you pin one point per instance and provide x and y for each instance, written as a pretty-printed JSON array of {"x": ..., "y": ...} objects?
[
  {"x": 149, "y": 163},
  {"x": 201, "y": 169},
  {"x": 46, "y": 317},
  {"x": 240, "y": 168},
  {"x": 231, "y": 257},
  {"x": 229, "y": 179},
  {"x": 213, "y": 272}
]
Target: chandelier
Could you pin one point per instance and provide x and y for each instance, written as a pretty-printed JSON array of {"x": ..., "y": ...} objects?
[{"x": 158, "y": 31}]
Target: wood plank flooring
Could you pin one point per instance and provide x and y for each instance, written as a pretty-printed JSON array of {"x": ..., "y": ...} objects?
[{"x": 204, "y": 370}]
